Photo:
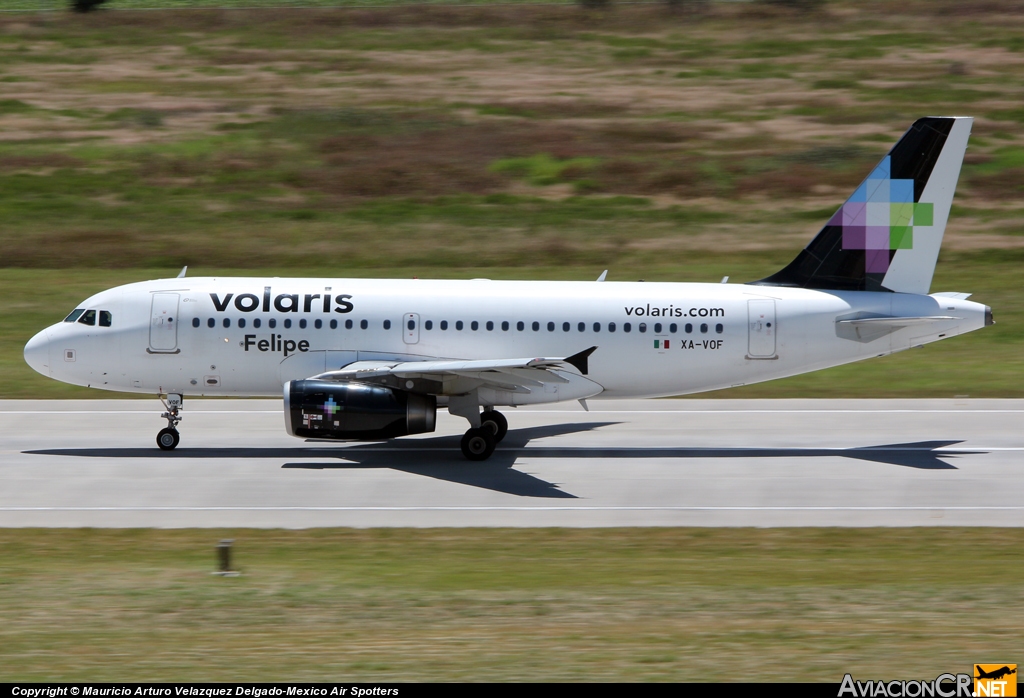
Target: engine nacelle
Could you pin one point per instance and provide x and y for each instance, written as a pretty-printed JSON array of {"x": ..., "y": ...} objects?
[{"x": 325, "y": 410}]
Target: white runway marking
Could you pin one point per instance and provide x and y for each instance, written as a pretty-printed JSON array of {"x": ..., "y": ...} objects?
[{"x": 523, "y": 508}]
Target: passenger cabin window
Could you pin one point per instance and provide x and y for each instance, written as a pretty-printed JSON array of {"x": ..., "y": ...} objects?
[
  {"x": 75, "y": 314},
  {"x": 88, "y": 318},
  {"x": 195, "y": 322}
]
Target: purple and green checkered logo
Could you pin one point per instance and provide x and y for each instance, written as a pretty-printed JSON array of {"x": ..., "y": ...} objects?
[{"x": 880, "y": 217}]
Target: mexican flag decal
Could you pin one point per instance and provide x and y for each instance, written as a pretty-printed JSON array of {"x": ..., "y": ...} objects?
[{"x": 661, "y": 344}]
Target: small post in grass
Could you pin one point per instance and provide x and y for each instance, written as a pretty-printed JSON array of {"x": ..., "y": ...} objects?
[{"x": 224, "y": 559}]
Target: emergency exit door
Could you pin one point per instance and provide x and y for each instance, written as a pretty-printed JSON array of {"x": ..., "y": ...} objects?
[{"x": 411, "y": 328}]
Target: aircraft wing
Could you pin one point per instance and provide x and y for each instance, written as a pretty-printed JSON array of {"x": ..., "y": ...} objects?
[{"x": 457, "y": 376}]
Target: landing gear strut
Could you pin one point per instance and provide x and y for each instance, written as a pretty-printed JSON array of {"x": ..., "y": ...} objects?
[
  {"x": 478, "y": 443},
  {"x": 168, "y": 437},
  {"x": 487, "y": 428}
]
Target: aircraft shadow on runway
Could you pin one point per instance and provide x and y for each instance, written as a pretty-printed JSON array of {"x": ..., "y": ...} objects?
[{"x": 439, "y": 457}]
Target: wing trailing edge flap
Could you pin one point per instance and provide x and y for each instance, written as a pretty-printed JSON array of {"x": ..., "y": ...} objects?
[{"x": 507, "y": 375}]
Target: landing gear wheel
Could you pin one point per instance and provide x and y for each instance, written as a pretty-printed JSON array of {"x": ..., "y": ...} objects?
[
  {"x": 478, "y": 444},
  {"x": 496, "y": 422},
  {"x": 167, "y": 439}
]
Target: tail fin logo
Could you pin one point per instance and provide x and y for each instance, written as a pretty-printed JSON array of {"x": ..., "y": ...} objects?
[
  {"x": 886, "y": 237},
  {"x": 880, "y": 217}
]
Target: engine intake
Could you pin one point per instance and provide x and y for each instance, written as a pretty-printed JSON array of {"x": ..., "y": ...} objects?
[{"x": 325, "y": 410}]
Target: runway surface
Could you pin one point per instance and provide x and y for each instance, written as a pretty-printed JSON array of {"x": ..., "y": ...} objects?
[{"x": 628, "y": 463}]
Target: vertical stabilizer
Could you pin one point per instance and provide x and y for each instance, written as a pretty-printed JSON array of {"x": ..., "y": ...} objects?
[{"x": 887, "y": 235}]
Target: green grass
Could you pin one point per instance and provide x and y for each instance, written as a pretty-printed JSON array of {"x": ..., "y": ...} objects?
[
  {"x": 505, "y": 142},
  {"x": 507, "y": 605}
]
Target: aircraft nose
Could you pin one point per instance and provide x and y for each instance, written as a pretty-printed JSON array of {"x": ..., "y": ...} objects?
[{"x": 37, "y": 353}]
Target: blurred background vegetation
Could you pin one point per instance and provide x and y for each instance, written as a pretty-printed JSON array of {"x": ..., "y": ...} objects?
[{"x": 663, "y": 142}]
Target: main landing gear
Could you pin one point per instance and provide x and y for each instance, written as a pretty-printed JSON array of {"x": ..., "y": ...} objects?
[
  {"x": 168, "y": 437},
  {"x": 478, "y": 443}
]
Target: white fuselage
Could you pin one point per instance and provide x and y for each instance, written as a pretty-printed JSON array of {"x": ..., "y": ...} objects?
[{"x": 248, "y": 336}]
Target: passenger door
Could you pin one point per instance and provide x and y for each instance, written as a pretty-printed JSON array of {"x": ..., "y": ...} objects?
[
  {"x": 761, "y": 334},
  {"x": 163, "y": 325}
]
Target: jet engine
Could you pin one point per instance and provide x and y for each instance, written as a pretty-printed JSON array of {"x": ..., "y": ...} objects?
[{"x": 325, "y": 410}]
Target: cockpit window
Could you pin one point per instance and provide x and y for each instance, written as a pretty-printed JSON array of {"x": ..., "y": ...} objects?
[
  {"x": 74, "y": 314},
  {"x": 88, "y": 318},
  {"x": 105, "y": 318}
]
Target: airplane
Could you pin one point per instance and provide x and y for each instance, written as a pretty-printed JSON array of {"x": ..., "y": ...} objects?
[
  {"x": 374, "y": 359},
  {"x": 995, "y": 674}
]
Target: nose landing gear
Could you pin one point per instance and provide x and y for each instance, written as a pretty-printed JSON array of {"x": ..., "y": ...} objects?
[{"x": 167, "y": 439}]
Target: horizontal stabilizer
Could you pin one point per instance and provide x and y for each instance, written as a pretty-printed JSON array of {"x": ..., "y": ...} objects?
[
  {"x": 868, "y": 329},
  {"x": 898, "y": 321}
]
